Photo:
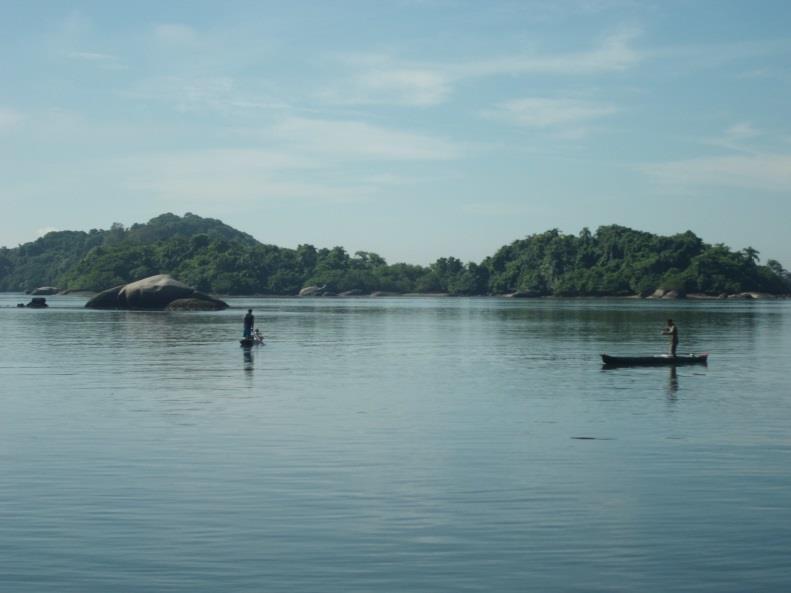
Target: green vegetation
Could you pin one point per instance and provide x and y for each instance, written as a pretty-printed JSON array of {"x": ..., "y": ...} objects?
[{"x": 216, "y": 258}]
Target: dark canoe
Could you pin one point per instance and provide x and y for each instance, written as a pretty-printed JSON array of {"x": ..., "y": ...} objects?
[
  {"x": 249, "y": 342},
  {"x": 657, "y": 360}
]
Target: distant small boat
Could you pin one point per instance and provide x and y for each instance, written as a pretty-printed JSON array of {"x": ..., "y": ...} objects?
[
  {"x": 250, "y": 342},
  {"x": 656, "y": 360}
]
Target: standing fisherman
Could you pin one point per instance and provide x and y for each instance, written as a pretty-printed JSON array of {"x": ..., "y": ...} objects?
[
  {"x": 249, "y": 320},
  {"x": 672, "y": 331}
]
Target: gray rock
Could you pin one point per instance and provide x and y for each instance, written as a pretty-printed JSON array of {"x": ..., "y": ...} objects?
[
  {"x": 107, "y": 299},
  {"x": 674, "y": 294},
  {"x": 37, "y": 303},
  {"x": 312, "y": 291},
  {"x": 154, "y": 292},
  {"x": 45, "y": 290},
  {"x": 751, "y": 295},
  {"x": 524, "y": 294}
]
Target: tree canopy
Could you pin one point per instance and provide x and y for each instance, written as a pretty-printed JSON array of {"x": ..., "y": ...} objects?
[{"x": 217, "y": 258}]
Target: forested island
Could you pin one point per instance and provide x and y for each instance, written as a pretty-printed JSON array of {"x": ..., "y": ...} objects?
[{"x": 216, "y": 258}]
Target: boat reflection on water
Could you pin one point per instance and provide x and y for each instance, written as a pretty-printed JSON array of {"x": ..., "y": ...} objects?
[
  {"x": 249, "y": 361},
  {"x": 672, "y": 384},
  {"x": 655, "y": 360}
]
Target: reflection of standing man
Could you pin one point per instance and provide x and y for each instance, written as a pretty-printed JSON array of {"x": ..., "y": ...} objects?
[
  {"x": 672, "y": 331},
  {"x": 249, "y": 320}
]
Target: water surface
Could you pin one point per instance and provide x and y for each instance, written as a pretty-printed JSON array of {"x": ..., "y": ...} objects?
[{"x": 394, "y": 444}]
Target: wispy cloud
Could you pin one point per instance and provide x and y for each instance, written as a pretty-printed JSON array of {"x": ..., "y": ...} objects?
[
  {"x": 45, "y": 231},
  {"x": 546, "y": 13},
  {"x": 219, "y": 94},
  {"x": 336, "y": 139},
  {"x": 498, "y": 209},
  {"x": 714, "y": 55},
  {"x": 614, "y": 53},
  {"x": 385, "y": 79},
  {"x": 175, "y": 33},
  {"x": 412, "y": 86},
  {"x": 739, "y": 137},
  {"x": 103, "y": 60},
  {"x": 9, "y": 118},
  {"x": 541, "y": 112},
  {"x": 230, "y": 176},
  {"x": 764, "y": 172}
]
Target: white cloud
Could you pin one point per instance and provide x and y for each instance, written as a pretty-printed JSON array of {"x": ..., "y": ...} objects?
[
  {"x": 412, "y": 86},
  {"x": 542, "y": 12},
  {"x": 358, "y": 140},
  {"x": 614, "y": 54},
  {"x": 741, "y": 131},
  {"x": 9, "y": 119},
  {"x": 767, "y": 172},
  {"x": 44, "y": 231},
  {"x": 175, "y": 33},
  {"x": 540, "y": 112},
  {"x": 199, "y": 94},
  {"x": 498, "y": 209},
  {"x": 90, "y": 56},
  {"x": 102, "y": 60},
  {"x": 383, "y": 79},
  {"x": 225, "y": 176},
  {"x": 737, "y": 138}
]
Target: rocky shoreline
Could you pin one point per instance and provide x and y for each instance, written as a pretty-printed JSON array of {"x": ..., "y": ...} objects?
[{"x": 203, "y": 302}]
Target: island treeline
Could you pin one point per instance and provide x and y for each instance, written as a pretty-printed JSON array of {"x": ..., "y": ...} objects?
[{"x": 214, "y": 257}]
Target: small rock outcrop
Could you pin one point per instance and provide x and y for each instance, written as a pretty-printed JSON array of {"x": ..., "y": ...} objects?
[
  {"x": 154, "y": 292},
  {"x": 44, "y": 291},
  {"x": 665, "y": 293},
  {"x": 524, "y": 294},
  {"x": 751, "y": 295},
  {"x": 312, "y": 291},
  {"x": 37, "y": 303}
]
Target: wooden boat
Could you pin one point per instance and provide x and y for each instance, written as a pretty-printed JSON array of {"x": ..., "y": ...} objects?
[
  {"x": 656, "y": 360},
  {"x": 250, "y": 342}
]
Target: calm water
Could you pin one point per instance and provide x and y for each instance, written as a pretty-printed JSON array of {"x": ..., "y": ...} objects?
[{"x": 394, "y": 445}]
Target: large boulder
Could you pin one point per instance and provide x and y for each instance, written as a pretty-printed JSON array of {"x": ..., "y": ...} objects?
[
  {"x": 107, "y": 299},
  {"x": 154, "y": 292}
]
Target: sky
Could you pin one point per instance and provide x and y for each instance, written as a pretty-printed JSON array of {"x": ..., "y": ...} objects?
[{"x": 416, "y": 129}]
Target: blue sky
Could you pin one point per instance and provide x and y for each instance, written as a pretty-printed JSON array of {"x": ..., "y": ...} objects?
[{"x": 413, "y": 128}]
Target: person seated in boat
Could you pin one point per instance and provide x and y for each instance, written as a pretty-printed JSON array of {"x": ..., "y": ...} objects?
[
  {"x": 249, "y": 320},
  {"x": 258, "y": 336},
  {"x": 671, "y": 330}
]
